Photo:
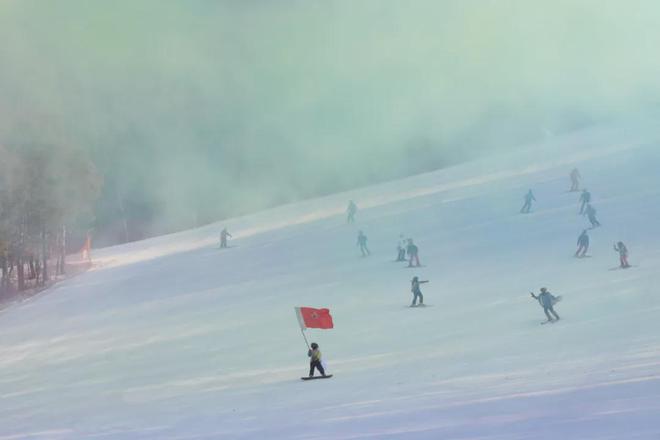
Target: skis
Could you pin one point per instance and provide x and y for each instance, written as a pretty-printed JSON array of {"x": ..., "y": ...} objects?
[
  {"x": 549, "y": 322},
  {"x": 327, "y": 376}
]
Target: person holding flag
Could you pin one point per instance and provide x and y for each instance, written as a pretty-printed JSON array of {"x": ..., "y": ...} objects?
[
  {"x": 309, "y": 317},
  {"x": 314, "y": 355}
]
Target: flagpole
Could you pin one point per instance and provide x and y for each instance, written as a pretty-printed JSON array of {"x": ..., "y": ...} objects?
[
  {"x": 305, "y": 337},
  {"x": 301, "y": 323}
]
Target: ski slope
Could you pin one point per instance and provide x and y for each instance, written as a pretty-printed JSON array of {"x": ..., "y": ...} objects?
[{"x": 172, "y": 338}]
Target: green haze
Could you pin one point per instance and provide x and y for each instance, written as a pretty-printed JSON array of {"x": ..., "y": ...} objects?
[{"x": 196, "y": 110}]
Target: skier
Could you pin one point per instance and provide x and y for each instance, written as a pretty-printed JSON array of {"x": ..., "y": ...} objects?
[
  {"x": 529, "y": 197},
  {"x": 350, "y": 211},
  {"x": 547, "y": 301},
  {"x": 413, "y": 253},
  {"x": 623, "y": 254},
  {"x": 585, "y": 198},
  {"x": 414, "y": 288},
  {"x": 575, "y": 180},
  {"x": 591, "y": 214},
  {"x": 223, "y": 238},
  {"x": 583, "y": 244},
  {"x": 401, "y": 249},
  {"x": 362, "y": 242},
  {"x": 315, "y": 360}
]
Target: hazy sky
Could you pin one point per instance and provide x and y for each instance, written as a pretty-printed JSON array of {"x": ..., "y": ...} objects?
[{"x": 240, "y": 104}]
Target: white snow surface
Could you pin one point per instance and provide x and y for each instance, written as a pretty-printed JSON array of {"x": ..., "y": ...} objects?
[{"x": 172, "y": 338}]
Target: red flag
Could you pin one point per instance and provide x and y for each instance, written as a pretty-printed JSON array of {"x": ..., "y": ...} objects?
[{"x": 314, "y": 318}]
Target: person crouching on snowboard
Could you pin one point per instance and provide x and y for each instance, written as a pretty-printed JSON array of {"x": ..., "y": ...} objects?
[
  {"x": 547, "y": 300},
  {"x": 414, "y": 288},
  {"x": 315, "y": 360}
]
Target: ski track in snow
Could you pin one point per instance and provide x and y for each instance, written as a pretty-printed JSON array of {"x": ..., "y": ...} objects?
[{"x": 172, "y": 338}]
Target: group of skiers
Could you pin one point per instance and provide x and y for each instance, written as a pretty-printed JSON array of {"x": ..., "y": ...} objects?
[
  {"x": 587, "y": 209},
  {"x": 545, "y": 298},
  {"x": 408, "y": 251},
  {"x": 405, "y": 246}
]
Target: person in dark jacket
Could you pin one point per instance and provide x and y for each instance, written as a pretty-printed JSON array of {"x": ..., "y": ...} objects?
[
  {"x": 529, "y": 198},
  {"x": 223, "y": 238},
  {"x": 413, "y": 253},
  {"x": 362, "y": 242},
  {"x": 623, "y": 254},
  {"x": 591, "y": 215},
  {"x": 583, "y": 244},
  {"x": 417, "y": 292},
  {"x": 585, "y": 199},
  {"x": 314, "y": 355},
  {"x": 547, "y": 301}
]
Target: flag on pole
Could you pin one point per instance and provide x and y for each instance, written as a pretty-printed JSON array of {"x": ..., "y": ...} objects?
[{"x": 314, "y": 318}]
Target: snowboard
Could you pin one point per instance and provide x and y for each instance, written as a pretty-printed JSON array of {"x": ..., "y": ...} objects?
[
  {"x": 622, "y": 268},
  {"x": 548, "y": 322},
  {"x": 327, "y": 376},
  {"x": 418, "y": 305}
]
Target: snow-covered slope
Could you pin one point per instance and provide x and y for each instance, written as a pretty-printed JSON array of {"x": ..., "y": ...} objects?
[{"x": 171, "y": 338}]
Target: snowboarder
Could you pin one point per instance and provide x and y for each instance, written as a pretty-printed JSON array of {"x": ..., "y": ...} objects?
[
  {"x": 417, "y": 293},
  {"x": 401, "y": 249},
  {"x": 585, "y": 199},
  {"x": 223, "y": 238},
  {"x": 623, "y": 254},
  {"x": 575, "y": 180},
  {"x": 362, "y": 242},
  {"x": 413, "y": 253},
  {"x": 314, "y": 355},
  {"x": 583, "y": 244},
  {"x": 547, "y": 301},
  {"x": 529, "y": 198},
  {"x": 350, "y": 211},
  {"x": 591, "y": 214}
]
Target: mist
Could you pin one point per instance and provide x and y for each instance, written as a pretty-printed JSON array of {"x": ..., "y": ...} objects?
[{"x": 195, "y": 111}]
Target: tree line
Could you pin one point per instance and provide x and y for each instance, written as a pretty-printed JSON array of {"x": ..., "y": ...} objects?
[{"x": 46, "y": 193}]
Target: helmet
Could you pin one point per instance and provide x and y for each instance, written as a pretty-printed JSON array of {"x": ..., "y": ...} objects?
[
  {"x": 543, "y": 289},
  {"x": 415, "y": 278},
  {"x": 315, "y": 345}
]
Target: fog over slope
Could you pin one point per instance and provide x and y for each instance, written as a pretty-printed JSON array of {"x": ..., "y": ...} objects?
[{"x": 196, "y": 110}]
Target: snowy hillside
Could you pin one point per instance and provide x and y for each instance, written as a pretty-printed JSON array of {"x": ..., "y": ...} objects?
[{"x": 172, "y": 338}]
